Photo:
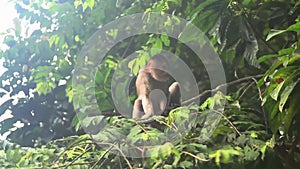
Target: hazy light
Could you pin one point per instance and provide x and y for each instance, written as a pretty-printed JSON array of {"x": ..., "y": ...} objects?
[{"x": 7, "y": 14}]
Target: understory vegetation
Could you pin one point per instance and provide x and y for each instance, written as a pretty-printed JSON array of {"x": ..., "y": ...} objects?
[{"x": 250, "y": 121}]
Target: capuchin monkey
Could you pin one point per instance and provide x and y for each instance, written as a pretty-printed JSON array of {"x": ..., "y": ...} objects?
[{"x": 155, "y": 94}]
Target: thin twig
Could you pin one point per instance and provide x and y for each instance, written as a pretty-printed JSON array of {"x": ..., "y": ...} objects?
[
  {"x": 102, "y": 156},
  {"x": 246, "y": 89},
  {"x": 196, "y": 157},
  {"x": 230, "y": 123},
  {"x": 189, "y": 101},
  {"x": 261, "y": 100},
  {"x": 121, "y": 152},
  {"x": 75, "y": 143},
  {"x": 77, "y": 158},
  {"x": 125, "y": 51}
]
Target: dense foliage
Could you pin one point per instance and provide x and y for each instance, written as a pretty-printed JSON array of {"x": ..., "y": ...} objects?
[{"x": 257, "y": 42}]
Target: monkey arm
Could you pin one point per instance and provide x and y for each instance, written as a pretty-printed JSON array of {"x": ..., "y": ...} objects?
[{"x": 174, "y": 96}]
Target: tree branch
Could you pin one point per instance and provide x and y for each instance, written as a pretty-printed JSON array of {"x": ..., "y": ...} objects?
[{"x": 191, "y": 100}]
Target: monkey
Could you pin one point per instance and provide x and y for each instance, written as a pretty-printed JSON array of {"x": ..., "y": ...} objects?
[
  {"x": 174, "y": 97},
  {"x": 155, "y": 95}
]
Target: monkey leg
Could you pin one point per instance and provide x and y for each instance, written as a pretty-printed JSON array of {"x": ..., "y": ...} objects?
[
  {"x": 159, "y": 101},
  {"x": 175, "y": 95},
  {"x": 174, "y": 98},
  {"x": 147, "y": 107},
  {"x": 137, "y": 109}
]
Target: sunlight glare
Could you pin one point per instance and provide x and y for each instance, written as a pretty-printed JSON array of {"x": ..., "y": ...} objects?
[{"x": 7, "y": 14}]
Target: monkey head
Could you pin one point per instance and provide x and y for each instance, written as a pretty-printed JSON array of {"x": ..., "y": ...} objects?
[{"x": 158, "y": 66}]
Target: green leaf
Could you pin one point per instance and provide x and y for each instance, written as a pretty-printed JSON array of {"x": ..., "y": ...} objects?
[
  {"x": 156, "y": 47},
  {"x": 200, "y": 8},
  {"x": 274, "y": 32},
  {"x": 113, "y": 33},
  {"x": 137, "y": 63},
  {"x": 92, "y": 121},
  {"x": 250, "y": 153},
  {"x": 291, "y": 111},
  {"x": 266, "y": 57},
  {"x": 186, "y": 164},
  {"x": 53, "y": 40},
  {"x": 165, "y": 150},
  {"x": 263, "y": 151},
  {"x": 134, "y": 132},
  {"x": 44, "y": 87},
  {"x": 251, "y": 48},
  {"x": 229, "y": 55},
  {"x": 295, "y": 27},
  {"x": 274, "y": 94},
  {"x": 224, "y": 155},
  {"x": 205, "y": 24},
  {"x": 285, "y": 94},
  {"x": 275, "y": 117},
  {"x": 77, "y": 39},
  {"x": 88, "y": 3},
  {"x": 165, "y": 39},
  {"x": 188, "y": 34},
  {"x": 286, "y": 52}
]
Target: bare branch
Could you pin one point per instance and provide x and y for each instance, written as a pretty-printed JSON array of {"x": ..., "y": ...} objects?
[{"x": 191, "y": 100}]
